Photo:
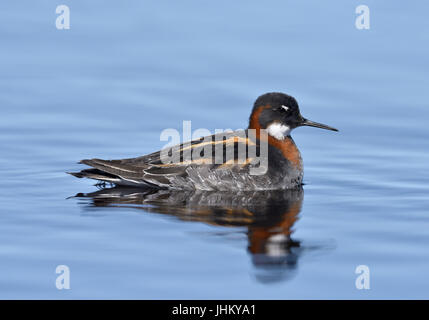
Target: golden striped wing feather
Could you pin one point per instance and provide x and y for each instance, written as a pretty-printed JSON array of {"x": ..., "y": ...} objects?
[
  {"x": 216, "y": 152},
  {"x": 219, "y": 151}
]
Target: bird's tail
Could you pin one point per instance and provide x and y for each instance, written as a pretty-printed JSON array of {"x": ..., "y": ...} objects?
[{"x": 111, "y": 171}]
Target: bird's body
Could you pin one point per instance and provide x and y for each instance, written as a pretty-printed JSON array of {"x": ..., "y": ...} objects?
[{"x": 263, "y": 157}]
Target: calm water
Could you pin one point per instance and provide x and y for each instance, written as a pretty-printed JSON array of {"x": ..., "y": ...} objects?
[{"x": 107, "y": 88}]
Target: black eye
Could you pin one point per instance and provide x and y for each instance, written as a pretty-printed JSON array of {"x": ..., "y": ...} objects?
[{"x": 284, "y": 109}]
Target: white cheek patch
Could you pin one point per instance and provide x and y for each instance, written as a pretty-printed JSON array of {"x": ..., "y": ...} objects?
[
  {"x": 286, "y": 108},
  {"x": 278, "y": 130}
]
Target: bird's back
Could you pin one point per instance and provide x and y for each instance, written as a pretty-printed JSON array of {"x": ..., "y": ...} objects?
[{"x": 225, "y": 161}]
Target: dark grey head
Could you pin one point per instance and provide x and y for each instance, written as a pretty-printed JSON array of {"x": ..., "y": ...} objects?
[{"x": 279, "y": 114}]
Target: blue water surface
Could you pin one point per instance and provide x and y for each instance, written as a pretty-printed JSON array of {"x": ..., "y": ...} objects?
[{"x": 125, "y": 71}]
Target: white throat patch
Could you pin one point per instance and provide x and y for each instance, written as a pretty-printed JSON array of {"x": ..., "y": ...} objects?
[{"x": 278, "y": 130}]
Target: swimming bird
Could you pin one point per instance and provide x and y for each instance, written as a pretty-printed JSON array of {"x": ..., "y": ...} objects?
[{"x": 262, "y": 157}]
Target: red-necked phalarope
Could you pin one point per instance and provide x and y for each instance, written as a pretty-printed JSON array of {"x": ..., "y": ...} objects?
[{"x": 223, "y": 161}]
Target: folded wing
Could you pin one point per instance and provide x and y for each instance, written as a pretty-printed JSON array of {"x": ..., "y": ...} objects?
[{"x": 164, "y": 168}]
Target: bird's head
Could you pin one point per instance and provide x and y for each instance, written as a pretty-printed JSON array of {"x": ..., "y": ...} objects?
[{"x": 279, "y": 114}]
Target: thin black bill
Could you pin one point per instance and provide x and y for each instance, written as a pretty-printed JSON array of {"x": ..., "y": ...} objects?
[{"x": 310, "y": 123}]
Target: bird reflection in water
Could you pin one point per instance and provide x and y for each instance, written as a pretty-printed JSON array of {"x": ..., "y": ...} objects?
[{"x": 268, "y": 217}]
